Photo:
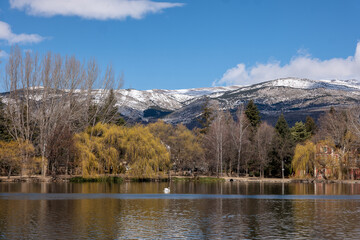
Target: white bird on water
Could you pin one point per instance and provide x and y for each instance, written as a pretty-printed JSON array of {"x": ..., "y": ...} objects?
[{"x": 167, "y": 190}]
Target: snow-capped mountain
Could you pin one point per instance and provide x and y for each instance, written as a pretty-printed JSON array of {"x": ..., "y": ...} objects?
[{"x": 295, "y": 97}]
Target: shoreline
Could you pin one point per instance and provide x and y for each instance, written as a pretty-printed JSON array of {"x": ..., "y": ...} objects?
[{"x": 68, "y": 178}]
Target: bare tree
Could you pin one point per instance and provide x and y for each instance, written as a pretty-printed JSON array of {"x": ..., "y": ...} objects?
[
  {"x": 239, "y": 130},
  {"x": 216, "y": 137},
  {"x": 51, "y": 95},
  {"x": 353, "y": 117},
  {"x": 20, "y": 76},
  {"x": 263, "y": 139}
]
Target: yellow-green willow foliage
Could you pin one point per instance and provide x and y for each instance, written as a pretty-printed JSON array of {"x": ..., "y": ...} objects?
[
  {"x": 304, "y": 158},
  {"x": 185, "y": 148},
  {"x": 105, "y": 146},
  {"x": 188, "y": 151},
  {"x": 13, "y": 155},
  {"x": 147, "y": 155}
]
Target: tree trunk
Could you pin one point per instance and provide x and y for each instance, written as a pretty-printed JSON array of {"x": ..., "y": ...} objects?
[
  {"x": 43, "y": 162},
  {"x": 9, "y": 172},
  {"x": 238, "y": 163},
  {"x": 221, "y": 157},
  {"x": 67, "y": 165}
]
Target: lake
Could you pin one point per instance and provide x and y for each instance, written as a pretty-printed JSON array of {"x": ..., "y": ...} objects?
[{"x": 229, "y": 210}]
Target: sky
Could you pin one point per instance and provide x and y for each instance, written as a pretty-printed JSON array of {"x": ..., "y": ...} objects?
[{"x": 175, "y": 44}]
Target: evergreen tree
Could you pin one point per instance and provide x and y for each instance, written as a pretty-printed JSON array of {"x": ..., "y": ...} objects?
[
  {"x": 120, "y": 121},
  {"x": 282, "y": 127},
  {"x": 206, "y": 117},
  {"x": 284, "y": 144},
  {"x": 310, "y": 125},
  {"x": 299, "y": 133},
  {"x": 253, "y": 114},
  {"x": 4, "y": 134}
]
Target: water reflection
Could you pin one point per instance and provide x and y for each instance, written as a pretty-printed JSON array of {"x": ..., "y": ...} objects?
[
  {"x": 217, "y": 218},
  {"x": 249, "y": 188}
]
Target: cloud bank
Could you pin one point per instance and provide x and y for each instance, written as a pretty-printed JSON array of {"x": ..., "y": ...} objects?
[
  {"x": 92, "y": 9},
  {"x": 11, "y": 38},
  {"x": 299, "y": 66}
]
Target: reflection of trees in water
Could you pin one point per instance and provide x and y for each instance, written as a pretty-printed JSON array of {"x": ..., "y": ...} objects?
[
  {"x": 328, "y": 219},
  {"x": 183, "y": 218}
]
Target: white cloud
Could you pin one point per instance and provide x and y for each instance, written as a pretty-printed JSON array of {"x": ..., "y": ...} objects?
[
  {"x": 12, "y": 38},
  {"x": 92, "y": 9},
  {"x": 3, "y": 54},
  {"x": 301, "y": 66}
]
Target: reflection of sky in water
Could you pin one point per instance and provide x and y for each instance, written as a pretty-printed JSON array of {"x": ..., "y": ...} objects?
[{"x": 121, "y": 211}]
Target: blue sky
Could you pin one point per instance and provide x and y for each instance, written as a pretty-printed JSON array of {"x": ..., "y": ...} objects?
[{"x": 193, "y": 43}]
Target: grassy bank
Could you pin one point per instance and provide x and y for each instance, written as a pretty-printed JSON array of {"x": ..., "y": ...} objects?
[
  {"x": 198, "y": 179},
  {"x": 96, "y": 179},
  {"x": 202, "y": 179}
]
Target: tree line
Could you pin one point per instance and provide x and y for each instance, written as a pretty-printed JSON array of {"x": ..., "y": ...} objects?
[{"x": 54, "y": 121}]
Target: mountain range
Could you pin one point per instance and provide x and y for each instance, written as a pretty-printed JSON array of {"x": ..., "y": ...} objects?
[{"x": 295, "y": 97}]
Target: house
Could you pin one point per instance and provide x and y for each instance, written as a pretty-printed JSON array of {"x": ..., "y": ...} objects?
[{"x": 328, "y": 158}]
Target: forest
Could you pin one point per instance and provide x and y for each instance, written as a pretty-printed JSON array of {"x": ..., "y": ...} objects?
[{"x": 54, "y": 122}]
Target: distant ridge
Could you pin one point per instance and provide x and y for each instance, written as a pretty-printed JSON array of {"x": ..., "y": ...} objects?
[{"x": 295, "y": 97}]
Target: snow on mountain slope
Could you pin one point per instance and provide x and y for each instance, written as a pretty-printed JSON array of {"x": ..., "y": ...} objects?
[
  {"x": 135, "y": 102},
  {"x": 163, "y": 99},
  {"x": 312, "y": 84},
  {"x": 286, "y": 94},
  {"x": 294, "y": 97}
]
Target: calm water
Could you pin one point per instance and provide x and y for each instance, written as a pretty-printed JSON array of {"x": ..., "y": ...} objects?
[{"x": 192, "y": 210}]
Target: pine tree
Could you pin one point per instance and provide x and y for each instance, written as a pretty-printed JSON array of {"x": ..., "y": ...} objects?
[
  {"x": 310, "y": 125},
  {"x": 299, "y": 133},
  {"x": 282, "y": 127},
  {"x": 283, "y": 145},
  {"x": 253, "y": 114},
  {"x": 4, "y": 134},
  {"x": 206, "y": 117}
]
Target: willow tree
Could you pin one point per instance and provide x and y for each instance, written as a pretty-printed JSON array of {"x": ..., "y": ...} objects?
[
  {"x": 304, "y": 160},
  {"x": 146, "y": 155},
  {"x": 107, "y": 146},
  {"x": 187, "y": 150},
  {"x": 98, "y": 149},
  {"x": 184, "y": 146},
  {"x": 11, "y": 155}
]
